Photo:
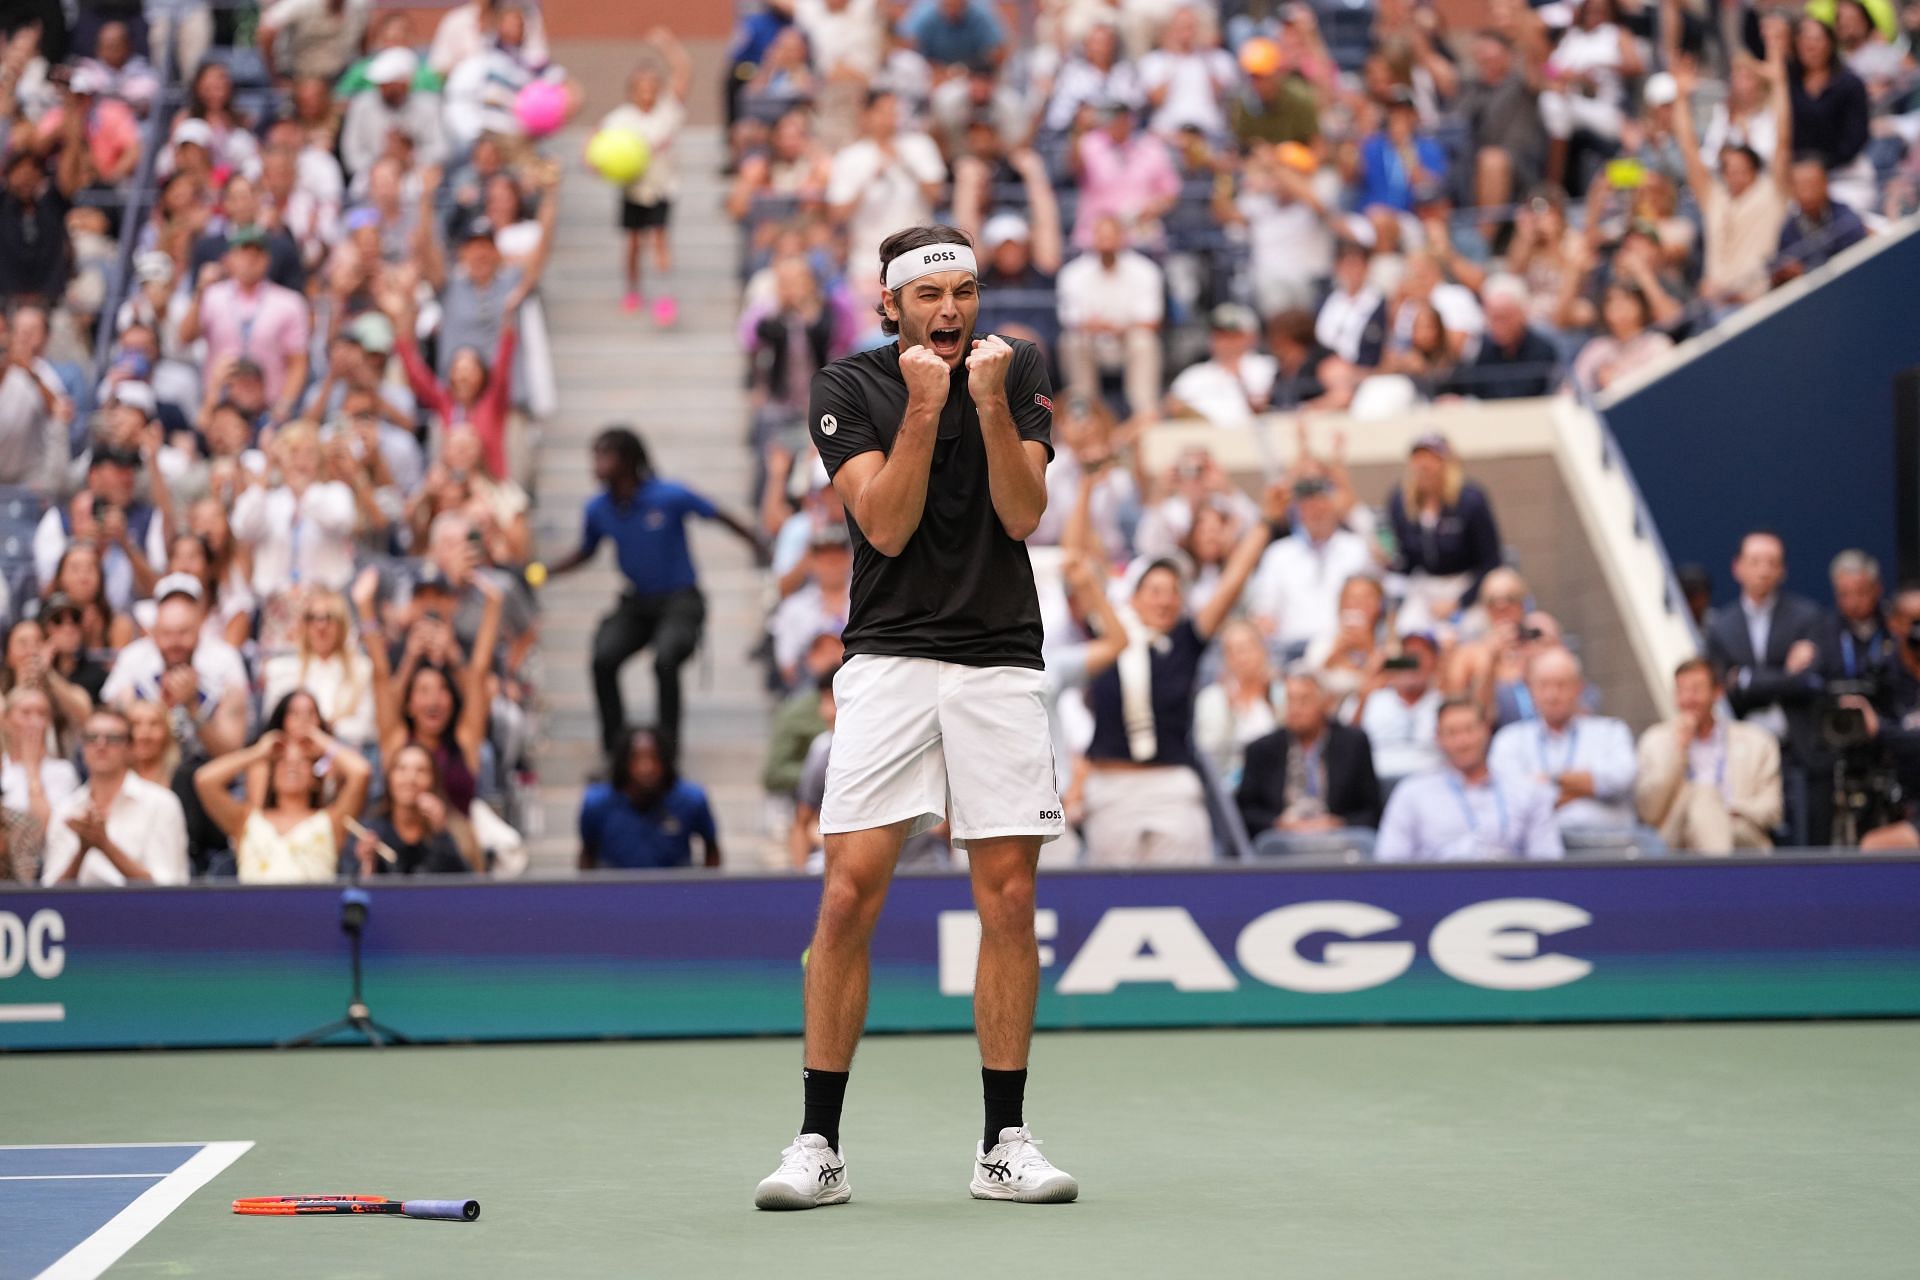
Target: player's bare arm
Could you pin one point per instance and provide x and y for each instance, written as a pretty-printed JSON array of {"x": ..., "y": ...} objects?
[
  {"x": 1016, "y": 468},
  {"x": 887, "y": 492}
]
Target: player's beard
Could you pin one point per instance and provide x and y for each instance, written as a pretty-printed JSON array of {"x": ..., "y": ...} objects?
[{"x": 953, "y": 350}]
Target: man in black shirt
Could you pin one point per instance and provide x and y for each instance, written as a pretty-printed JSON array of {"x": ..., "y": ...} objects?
[{"x": 938, "y": 445}]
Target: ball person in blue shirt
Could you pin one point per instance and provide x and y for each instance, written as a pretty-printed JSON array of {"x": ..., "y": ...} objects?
[
  {"x": 645, "y": 815},
  {"x": 646, "y": 518}
]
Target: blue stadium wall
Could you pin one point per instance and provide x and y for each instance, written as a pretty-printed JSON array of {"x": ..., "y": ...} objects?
[
  {"x": 697, "y": 955},
  {"x": 1789, "y": 424}
]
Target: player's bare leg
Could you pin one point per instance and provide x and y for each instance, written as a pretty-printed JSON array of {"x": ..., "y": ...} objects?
[
  {"x": 859, "y": 869},
  {"x": 812, "y": 1172},
  {"x": 1007, "y": 1163},
  {"x": 1007, "y": 979}
]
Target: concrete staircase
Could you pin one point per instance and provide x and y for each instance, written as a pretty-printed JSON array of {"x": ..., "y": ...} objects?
[{"x": 682, "y": 389}]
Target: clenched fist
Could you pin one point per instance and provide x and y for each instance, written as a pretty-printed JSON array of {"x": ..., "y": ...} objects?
[
  {"x": 987, "y": 366},
  {"x": 927, "y": 377}
]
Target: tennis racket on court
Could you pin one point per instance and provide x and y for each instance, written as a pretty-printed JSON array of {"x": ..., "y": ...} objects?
[{"x": 281, "y": 1206}]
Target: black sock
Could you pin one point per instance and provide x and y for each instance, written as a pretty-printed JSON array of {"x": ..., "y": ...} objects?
[
  {"x": 1005, "y": 1092},
  {"x": 825, "y": 1091}
]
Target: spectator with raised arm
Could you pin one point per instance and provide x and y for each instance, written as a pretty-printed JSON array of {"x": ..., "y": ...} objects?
[
  {"x": 436, "y": 700},
  {"x": 1743, "y": 209},
  {"x": 294, "y": 835},
  {"x": 1144, "y": 803}
]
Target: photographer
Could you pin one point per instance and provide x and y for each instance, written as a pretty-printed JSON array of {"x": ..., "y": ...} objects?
[{"x": 1895, "y": 725}]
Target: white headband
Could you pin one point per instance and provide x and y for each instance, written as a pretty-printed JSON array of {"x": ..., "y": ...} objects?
[{"x": 914, "y": 263}]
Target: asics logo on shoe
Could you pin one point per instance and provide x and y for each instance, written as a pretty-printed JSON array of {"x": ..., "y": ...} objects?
[
  {"x": 830, "y": 1174},
  {"x": 997, "y": 1172}
]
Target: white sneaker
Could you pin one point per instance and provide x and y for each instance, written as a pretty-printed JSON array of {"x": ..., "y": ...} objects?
[
  {"x": 1015, "y": 1170},
  {"x": 811, "y": 1174}
]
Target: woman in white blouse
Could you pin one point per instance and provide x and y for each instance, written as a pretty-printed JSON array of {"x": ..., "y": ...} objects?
[{"x": 301, "y": 529}]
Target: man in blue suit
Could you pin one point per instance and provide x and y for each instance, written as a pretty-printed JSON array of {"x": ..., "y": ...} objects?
[{"x": 1768, "y": 645}]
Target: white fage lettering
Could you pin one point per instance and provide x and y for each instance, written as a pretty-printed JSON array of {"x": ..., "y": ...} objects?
[
  {"x": 1494, "y": 945},
  {"x": 35, "y": 944}
]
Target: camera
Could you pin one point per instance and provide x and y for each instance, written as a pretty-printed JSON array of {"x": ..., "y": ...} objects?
[
  {"x": 1528, "y": 634},
  {"x": 1842, "y": 727},
  {"x": 1866, "y": 786}
]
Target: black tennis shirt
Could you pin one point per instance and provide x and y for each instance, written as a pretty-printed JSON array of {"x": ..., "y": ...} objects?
[{"x": 961, "y": 590}]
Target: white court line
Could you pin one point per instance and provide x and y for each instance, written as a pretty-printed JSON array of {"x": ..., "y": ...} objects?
[
  {"x": 72, "y": 1177},
  {"x": 92, "y": 1256},
  {"x": 33, "y": 1013},
  {"x": 94, "y": 1146}
]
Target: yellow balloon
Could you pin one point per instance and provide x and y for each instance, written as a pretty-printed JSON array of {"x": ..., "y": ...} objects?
[{"x": 619, "y": 155}]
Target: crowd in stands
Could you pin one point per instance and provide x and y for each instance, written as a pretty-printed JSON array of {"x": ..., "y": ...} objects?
[
  {"x": 265, "y": 592},
  {"x": 1208, "y": 211}
]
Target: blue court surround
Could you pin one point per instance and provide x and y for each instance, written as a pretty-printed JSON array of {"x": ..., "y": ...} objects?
[{"x": 54, "y": 1199}]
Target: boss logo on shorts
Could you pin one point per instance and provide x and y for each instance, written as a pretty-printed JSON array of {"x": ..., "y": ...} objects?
[
  {"x": 828, "y": 424},
  {"x": 1049, "y": 815}
]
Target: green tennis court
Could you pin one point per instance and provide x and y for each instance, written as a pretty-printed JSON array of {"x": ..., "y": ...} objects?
[{"x": 1730, "y": 1150}]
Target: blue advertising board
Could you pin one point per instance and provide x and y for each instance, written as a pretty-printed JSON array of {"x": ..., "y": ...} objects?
[{"x": 696, "y": 955}]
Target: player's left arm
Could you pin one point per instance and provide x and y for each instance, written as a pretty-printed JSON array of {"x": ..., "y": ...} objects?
[{"x": 1009, "y": 389}]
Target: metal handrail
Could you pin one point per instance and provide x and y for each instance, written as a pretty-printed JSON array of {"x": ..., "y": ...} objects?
[{"x": 133, "y": 214}]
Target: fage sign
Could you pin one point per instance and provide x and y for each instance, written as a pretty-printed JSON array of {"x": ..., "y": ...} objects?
[{"x": 1494, "y": 944}]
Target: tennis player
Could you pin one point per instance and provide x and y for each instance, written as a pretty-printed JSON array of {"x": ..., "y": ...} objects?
[{"x": 938, "y": 444}]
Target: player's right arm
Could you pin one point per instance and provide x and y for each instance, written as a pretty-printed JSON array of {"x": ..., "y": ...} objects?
[{"x": 886, "y": 492}]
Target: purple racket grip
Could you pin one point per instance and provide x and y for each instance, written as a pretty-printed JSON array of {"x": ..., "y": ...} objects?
[{"x": 450, "y": 1210}]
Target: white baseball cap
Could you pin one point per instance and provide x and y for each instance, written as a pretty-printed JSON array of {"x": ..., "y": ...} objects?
[
  {"x": 178, "y": 584},
  {"x": 1004, "y": 227},
  {"x": 1660, "y": 90},
  {"x": 392, "y": 66},
  {"x": 194, "y": 131},
  {"x": 136, "y": 394}
]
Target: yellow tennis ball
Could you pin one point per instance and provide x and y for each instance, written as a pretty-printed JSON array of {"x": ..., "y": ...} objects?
[
  {"x": 619, "y": 155},
  {"x": 536, "y": 574}
]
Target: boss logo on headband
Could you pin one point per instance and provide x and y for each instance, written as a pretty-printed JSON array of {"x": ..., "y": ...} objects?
[{"x": 945, "y": 255}]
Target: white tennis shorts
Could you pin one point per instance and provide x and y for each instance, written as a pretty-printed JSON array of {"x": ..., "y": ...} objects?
[{"x": 921, "y": 740}]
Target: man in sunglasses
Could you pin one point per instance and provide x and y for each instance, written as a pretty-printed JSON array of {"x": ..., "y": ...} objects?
[{"x": 118, "y": 829}]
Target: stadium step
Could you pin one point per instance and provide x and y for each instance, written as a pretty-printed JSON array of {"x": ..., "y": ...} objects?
[{"x": 683, "y": 390}]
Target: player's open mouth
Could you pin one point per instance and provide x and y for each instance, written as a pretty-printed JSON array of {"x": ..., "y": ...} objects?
[{"x": 944, "y": 342}]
